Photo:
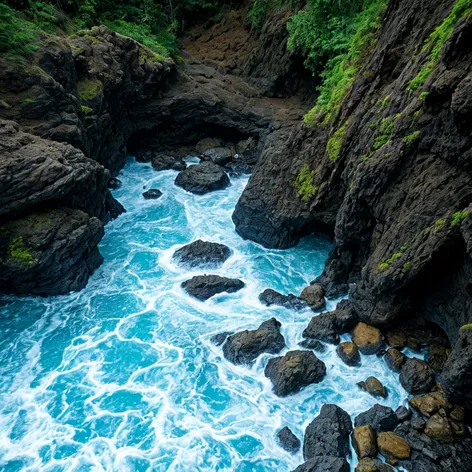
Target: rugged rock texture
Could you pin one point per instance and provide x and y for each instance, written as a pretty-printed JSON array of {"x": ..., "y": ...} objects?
[
  {"x": 245, "y": 346},
  {"x": 368, "y": 339},
  {"x": 324, "y": 464},
  {"x": 393, "y": 447},
  {"x": 392, "y": 213},
  {"x": 297, "y": 369},
  {"x": 349, "y": 353},
  {"x": 288, "y": 440},
  {"x": 202, "y": 253},
  {"x": 314, "y": 297},
  {"x": 364, "y": 441},
  {"x": 206, "y": 286},
  {"x": 271, "y": 297},
  {"x": 416, "y": 376},
  {"x": 394, "y": 359},
  {"x": 373, "y": 386},
  {"x": 313, "y": 344},
  {"x": 152, "y": 194},
  {"x": 373, "y": 465},
  {"x": 381, "y": 418},
  {"x": 202, "y": 178}
]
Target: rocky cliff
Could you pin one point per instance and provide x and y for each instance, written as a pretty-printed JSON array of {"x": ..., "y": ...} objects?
[{"x": 390, "y": 176}]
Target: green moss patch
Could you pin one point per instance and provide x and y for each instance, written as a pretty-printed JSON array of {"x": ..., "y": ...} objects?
[
  {"x": 89, "y": 89},
  {"x": 335, "y": 143},
  {"x": 304, "y": 183},
  {"x": 19, "y": 252},
  {"x": 411, "y": 138},
  {"x": 458, "y": 217}
]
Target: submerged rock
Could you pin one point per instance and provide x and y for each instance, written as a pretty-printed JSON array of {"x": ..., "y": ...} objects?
[
  {"x": 313, "y": 344},
  {"x": 364, "y": 441},
  {"x": 416, "y": 376},
  {"x": 288, "y": 440},
  {"x": 205, "y": 286},
  {"x": 324, "y": 464},
  {"x": 152, "y": 194},
  {"x": 202, "y": 178},
  {"x": 202, "y": 253},
  {"x": 373, "y": 386},
  {"x": 349, "y": 353},
  {"x": 381, "y": 418},
  {"x": 368, "y": 339},
  {"x": 328, "y": 434},
  {"x": 297, "y": 369},
  {"x": 162, "y": 161},
  {"x": 245, "y": 346},
  {"x": 314, "y": 297},
  {"x": 271, "y": 297}
]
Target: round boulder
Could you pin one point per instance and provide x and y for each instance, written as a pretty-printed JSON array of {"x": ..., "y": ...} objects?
[
  {"x": 288, "y": 440},
  {"x": 373, "y": 386},
  {"x": 202, "y": 254},
  {"x": 202, "y": 178},
  {"x": 314, "y": 297},
  {"x": 396, "y": 338},
  {"x": 205, "y": 286},
  {"x": 218, "y": 155},
  {"x": 417, "y": 377},
  {"x": 297, "y": 369},
  {"x": 161, "y": 162},
  {"x": 152, "y": 194},
  {"x": 393, "y": 447},
  {"x": 368, "y": 339},
  {"x": 349, "y": 353}
]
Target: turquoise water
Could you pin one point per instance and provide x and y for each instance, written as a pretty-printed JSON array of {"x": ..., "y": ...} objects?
[{"x": 122, "y": 376}]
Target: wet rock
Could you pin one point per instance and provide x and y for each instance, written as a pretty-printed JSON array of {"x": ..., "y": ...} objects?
[
  {"x": 162, "y": 162},
  {"x": 207, "y": 143},
  {"x": 152, "y": 194},
  {"x": 393, "y": 447},
  {"x": 205, "y": 286},
  {"x": 438, "y": 427},
  {"x": 114, "y": 183},
  {"x": 373, "y": 465},
  {"x": 373, "y": 386},
  {"x": 245, "y": 346},
  {"x": 416, "y": 376},
  {"x": 396, "y": 338},
  {"x": 271, "y": 297},
  {"x": 202, "y": 178},
  {"x": 364, "y": 441},
  {"x": 381, "y": 418},
  {"x": 349, "y": 353},
  {"x": 238, "y": 168},
  {"x": 368, "y": 339},
  {"x": 202, "y": 254},
  {"x": 288, "y": 440},
  {"x": 220, "y": 338},
  {"x": 218, "y": 155},
  {"x": 293, "y": 371},
  {"x": 394, "y": 359},
  {"x": 314, "y": 296},
  {"x": 313, "y": 344},
  {"x": 324, "y": 464},
  {"x": 437, "y": 357},
  {"x": 328, "y": 434},
  {"x": 403, "y": 413},
  {"x": 429, "y": 403},
  {"x": 418, "y": 423}
]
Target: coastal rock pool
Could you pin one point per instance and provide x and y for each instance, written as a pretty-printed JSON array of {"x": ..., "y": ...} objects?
[{"x": 122, "y": 376}]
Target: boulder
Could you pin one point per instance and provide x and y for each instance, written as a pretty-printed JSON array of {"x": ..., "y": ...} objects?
[
  {"x": 328, "y": 434},
  {"x": 205, "y": 286},
  {"x": 161, "y": 162},
  {"x": 218, "y": 155},
  {"x": 437, "y": 357},
  {"x": 207, "y": 143},
  {"x": 314, "y": 297},
  {"x": 238, "y": 169},
  {"x": 381, "y": 418},
  {"x": 373, "y": 386},
  {"x": 293, "y": 371},
  {"x": 394, "y": 359},
  {"x": 202, "y": 254},
  {"x": 418, "y": 423},
  {"x": 245, "y": 346},
  {"x": 152, "y": 194},
  {"x": 288, "y": 440},
  {"x": 373, "y": 465},
  {"x": 438, "y": 427},
  {"x": 393, "y": 447},
  {"x": 220, "y": 338},
  {"x": 202, "y": 178},
  {"x": 349, "y": 353},
  {"x": 271, "y": 297},
  {"x": 313, "y": 344},
  {"x": 429, "y": 403},
  {"x": 324, "y": 464},
  {"x": 416, "y": 376},
  {"x": 403, "y": 413},
  {"x": 364, "y": 441},
  {"x": 396, "y": 338},
  {"x": 368, "y": 339}
]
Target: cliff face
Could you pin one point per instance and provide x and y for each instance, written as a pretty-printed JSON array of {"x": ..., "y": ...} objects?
[{"x": 397, "y": 192}]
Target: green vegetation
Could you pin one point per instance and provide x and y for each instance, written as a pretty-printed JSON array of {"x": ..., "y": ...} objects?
[
  {"x": 89, "y": 89},
  {"x": 436, "y": 40},
  {"x": 406, "y": 267},
  {"x": 19, "y": 253},
  {"x": 335, "y": 37},
  {"x": 411, "y": 138},
  {"x": 385, "y": 264},
  {"x": 384, "y": 130},
  {"x": 458, "y": 217},
  {"x": 304, "y": 183},
  {"x": 335, "y": 143},
  {"x": 423, "y": 96},
  {"x": 384, "y": 103},
  {"x": 28, "y": 101},
  {"x": 440, "y": 224},
  {"x": 466, "y": 326},
  {"x": 86, "y": 110}
]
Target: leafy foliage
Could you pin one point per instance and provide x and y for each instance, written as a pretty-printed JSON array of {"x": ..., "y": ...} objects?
[
  {"x": 304, "y": 183},
  {"x": 335, "y": 143},
  {"x": 19, "y": 253},
  {"x": 458, "y": 217}
]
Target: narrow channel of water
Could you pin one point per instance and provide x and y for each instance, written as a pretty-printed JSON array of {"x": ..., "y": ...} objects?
[{"x": 123, "y": 376}]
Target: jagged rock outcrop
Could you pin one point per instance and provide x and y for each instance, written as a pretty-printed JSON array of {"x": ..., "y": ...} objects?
[
  {"x": 203, "y": 287},
  {"x": 399, "y": 205},
  {"x": 202, "y": 253}
]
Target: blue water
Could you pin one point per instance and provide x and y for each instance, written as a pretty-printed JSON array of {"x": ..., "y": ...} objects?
[{"x": 122, "y": 376}]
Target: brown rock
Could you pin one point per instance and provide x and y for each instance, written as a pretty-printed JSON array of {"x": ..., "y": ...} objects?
[
  {"x": 349, "y": 353},
  {"x": 438, "y": 355},
  {"x": 429, "y": 404},
  {"x": 394, "y": 359},
  {"x": 314, "y": 296},
  {"x": 396, "y": 338},
  {"x": 438, "y": 427},
  {"x": 368, "y": 339},
  {"x": 373, "y": 465},
  {"x": 393, "y": 447},
  {"x": 364, "y": 441},
  {"x": 457, "y": 414},
  {"x": 373, "y": 386}
]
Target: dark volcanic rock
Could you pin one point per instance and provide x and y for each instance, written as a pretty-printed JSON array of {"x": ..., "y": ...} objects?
[
  {"x": 114, "y": 183},
  {"x": 313, "y": 344},
  {"x": 394, "y": 359},
  {"x": 238, "y": 168},
  {"x": 416, "y": 376},
  {"x": 161, "y": 162},
  {"x": 328, "y": 434},
  {"x": 220, "y": 338},
  {"x": 297, "y": 369},
  {"x": 324, "y": 464},
  {"x": 381, "y": 418},
  {"x": 245, "y": 346},
  {"x": 349, "y": 353},
  {"x": 202, "y": 178},
  {"x": 373, "y": 465},
  {"x": 373, "y": 386},
  {"x": 271, "y": 297},
  {"x": 202, "y": 253},
  {"x": 152, "y": 194},
  {"x": 205, "y": 286},
  {"x": 403, "y": 413},
  {"x": 288, "y": 440},
  {"x": 218, "y": 155},
  {"x": 314, "y": 297}
]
